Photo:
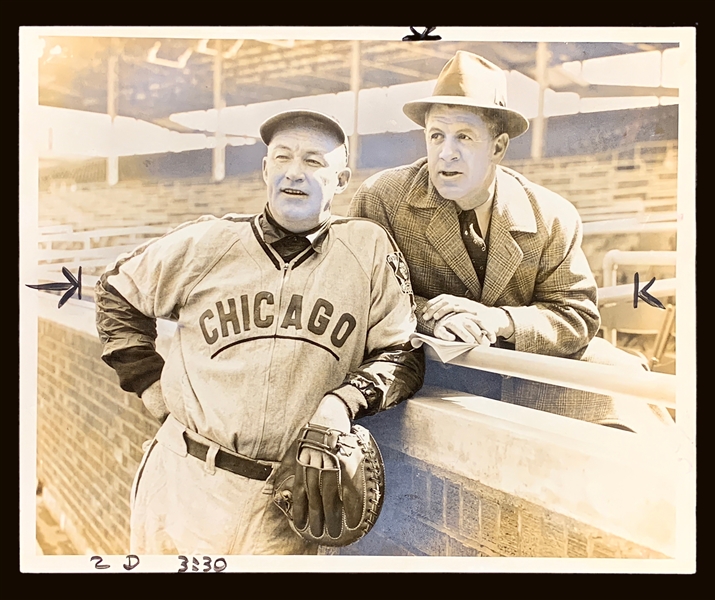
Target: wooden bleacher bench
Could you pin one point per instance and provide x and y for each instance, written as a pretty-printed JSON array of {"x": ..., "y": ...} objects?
[{"x": 92, "y": 256}]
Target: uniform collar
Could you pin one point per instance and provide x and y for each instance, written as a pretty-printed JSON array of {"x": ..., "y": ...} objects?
[{"x": 272, "y": 231}]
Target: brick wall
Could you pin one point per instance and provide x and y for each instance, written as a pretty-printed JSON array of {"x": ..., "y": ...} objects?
[
  {"x": 642, "y": 177},
  {"x": 89, "y": 435},
  {"x": 433, "y": 512}
]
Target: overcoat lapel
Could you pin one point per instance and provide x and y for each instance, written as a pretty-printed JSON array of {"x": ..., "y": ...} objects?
[
  {"x": 512, "y": 211},
  {"x": 443, "y": 233}
]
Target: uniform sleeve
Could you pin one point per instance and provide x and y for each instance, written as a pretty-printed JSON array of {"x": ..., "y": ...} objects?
[
  {"x": 563, "y": 316},
  {"x": 149, "y": 283},
  {"x": 392, "y": 370}
]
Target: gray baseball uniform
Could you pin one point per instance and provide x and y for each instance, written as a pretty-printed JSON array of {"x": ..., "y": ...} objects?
[{"x": 259, "y": 342}]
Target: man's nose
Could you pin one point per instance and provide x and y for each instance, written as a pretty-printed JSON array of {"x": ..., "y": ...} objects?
[
  {"x": 448, "y": 151},
  {"x": 295, "y": 171}
]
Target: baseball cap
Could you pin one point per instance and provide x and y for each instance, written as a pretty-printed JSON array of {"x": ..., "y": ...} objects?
[{"x": 276, "y": 122}]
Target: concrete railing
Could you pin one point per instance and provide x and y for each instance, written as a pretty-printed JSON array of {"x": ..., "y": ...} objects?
[
  {"x": 655, "y": 388},
  {"x": 616, "y": 482}
]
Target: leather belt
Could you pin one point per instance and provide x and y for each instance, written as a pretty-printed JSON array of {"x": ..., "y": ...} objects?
[{"x": 239, "y": 465}]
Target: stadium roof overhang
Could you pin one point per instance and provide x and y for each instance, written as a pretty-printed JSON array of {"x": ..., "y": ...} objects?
[{"x": 159, "y": 77}]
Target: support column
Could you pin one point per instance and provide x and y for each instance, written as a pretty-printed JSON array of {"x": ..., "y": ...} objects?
[
  {"x": 355, "y": 84},
  {"x": 112, "y": 93},
  {"x": 219, "y": 151},
  {"x": 539, "y": 123}
]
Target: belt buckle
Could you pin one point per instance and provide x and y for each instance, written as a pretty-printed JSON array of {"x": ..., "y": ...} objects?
[
  {"x": 262, "y": 463},
  {"x": 266, "y": 465}
]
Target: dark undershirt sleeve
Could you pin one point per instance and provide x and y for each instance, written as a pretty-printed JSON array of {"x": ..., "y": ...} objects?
[
  {"x": 383, "y": 380},
  {"x": 129, "y": 339}
]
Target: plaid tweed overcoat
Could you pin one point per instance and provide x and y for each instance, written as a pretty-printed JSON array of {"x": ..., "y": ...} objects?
[{"x": 536, "y": 270}]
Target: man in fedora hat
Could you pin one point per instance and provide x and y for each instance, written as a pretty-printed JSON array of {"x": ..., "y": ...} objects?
[
  {"x": 493, "y": 257},
  {"x": 286, "y": 317}
]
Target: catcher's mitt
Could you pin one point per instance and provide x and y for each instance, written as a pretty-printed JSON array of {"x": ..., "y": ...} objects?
[{"x": 338, "y": 504}]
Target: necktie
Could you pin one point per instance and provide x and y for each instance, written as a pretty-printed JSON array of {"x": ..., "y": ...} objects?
[
  {"x": 474, "y": 242},
  {"x": 471, "y": 233}
]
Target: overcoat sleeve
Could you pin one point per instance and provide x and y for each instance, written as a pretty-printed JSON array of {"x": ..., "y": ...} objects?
[{"x": 563, "y": 316}]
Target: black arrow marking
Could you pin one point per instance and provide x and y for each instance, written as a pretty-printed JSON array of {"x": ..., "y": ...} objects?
[
  {"x": 73, "y": 284},
  {"x": 643, "y": 293},
  {"x": 421, "y": 37}
]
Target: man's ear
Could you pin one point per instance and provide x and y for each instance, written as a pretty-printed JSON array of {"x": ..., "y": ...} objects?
[
  {"x": 265, "y": 170},
  {"x": 501, "y": 143},
  {"x": 343, "y": 180}
]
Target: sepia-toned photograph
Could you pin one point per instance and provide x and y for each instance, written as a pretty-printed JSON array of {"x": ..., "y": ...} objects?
[{"x": 357, "y": 299}]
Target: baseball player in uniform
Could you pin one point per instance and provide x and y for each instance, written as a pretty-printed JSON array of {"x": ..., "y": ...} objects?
[{"x": 284, "y": 318}]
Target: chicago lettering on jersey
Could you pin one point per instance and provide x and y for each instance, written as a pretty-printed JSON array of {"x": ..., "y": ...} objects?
[{"x": 231, "y": 317}]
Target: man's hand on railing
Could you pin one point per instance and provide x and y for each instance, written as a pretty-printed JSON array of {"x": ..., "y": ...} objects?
[
  {"x": 477, "y": 321},
  {"x": 444, "y": 304},
  {"x": 464, "y": 327}
]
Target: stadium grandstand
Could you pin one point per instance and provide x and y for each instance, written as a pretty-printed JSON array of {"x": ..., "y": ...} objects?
[
  {"x": 137, "y": 135},
  {"x": 142, "y": 133}
]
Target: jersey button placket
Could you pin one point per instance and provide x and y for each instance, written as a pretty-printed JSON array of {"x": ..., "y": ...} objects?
[{"x": 285, "y": 275}]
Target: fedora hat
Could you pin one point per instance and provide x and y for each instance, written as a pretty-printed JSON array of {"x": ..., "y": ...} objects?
[{"x": 470, "y": 80}]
